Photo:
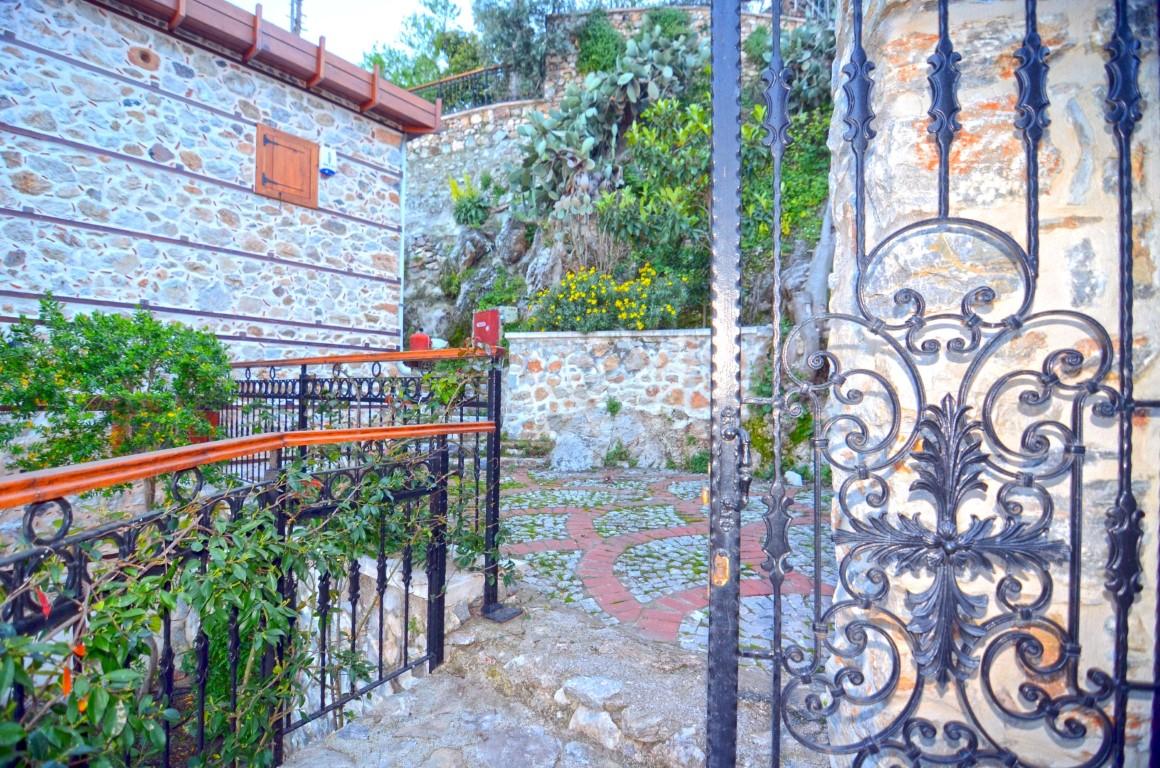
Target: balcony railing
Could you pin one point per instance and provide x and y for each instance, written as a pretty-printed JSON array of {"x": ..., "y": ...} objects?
[
  {"x": 242, "y": 610},
  {"x": 479, "y": 88}
]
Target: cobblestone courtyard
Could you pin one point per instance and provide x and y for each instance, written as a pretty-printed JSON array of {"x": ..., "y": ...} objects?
[{"x": 630, "y": 547}]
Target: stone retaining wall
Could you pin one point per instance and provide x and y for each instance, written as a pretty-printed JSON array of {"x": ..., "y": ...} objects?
[{"x": 585, "y": 391}]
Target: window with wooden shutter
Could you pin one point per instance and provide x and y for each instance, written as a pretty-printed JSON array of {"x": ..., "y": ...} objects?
[{"x": 286, "y": 168}]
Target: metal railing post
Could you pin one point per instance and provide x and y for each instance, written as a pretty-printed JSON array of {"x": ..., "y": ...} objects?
[
  {"x": 492, "y": 608},
  {"x": 274, "y": 496},
  {"x": 437, "y": 558}
]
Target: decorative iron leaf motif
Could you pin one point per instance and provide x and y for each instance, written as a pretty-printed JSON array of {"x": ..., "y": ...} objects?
[
  {"x": 1123, "y": 69},
  {"x": 857, "y": 88},
  {"x": 946, "y": 619},
  {"x": 776, "y": 542},
  {"x": 944, "y": 82},
  {"x": 1031, "y": 75}
]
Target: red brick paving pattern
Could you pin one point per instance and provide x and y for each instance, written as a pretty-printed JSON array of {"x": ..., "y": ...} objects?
[{"x": 659, "y": 618}]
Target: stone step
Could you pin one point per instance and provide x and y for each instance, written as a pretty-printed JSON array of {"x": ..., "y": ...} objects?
[{"x": 554, "y": 688}]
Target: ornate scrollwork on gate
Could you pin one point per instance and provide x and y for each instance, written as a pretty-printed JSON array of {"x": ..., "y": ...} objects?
[{"x": 958, "y": 440}]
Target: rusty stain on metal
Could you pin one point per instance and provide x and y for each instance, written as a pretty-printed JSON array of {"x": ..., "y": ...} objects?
[{"x": 720, "y": 569}]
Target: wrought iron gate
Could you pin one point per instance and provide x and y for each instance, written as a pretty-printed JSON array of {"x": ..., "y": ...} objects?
[{"x": 966, "y": 461}]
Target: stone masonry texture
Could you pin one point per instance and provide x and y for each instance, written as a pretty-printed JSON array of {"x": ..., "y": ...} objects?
[
  {"x": 657, "y": 381},
  {"x": 126, "y": 178},
  {"x": 1079, "y": 266}
]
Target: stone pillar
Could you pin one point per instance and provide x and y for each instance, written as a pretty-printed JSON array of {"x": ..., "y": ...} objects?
[{"x": 1079, "y": 266}]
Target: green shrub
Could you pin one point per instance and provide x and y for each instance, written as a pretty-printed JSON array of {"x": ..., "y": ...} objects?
[
  {"x": 587, "y": 301},
  {"x": 698, "y": 462},
  {"x": 617, "y": 455},
  {"x": 107, "y": 385},
  {"x": 506, "y": 290},
  {"x": 613, "y": 406},
  {"x": 673, "y": 22},
  {"x": 471, "y": 203},
  {"x": 599, "y": 44},
  {"x": 756, "y": 47},
  {"x": 450, "y": 281}
]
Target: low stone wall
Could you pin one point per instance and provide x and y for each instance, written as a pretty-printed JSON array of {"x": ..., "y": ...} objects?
[{"x": 586, "y": 391}]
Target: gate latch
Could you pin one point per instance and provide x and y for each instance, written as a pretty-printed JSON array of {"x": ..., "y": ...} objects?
[{"x": 732, "y": 430}]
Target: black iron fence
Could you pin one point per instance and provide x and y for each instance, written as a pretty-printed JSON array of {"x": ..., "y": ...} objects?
[
  {"x": 479, "y": 88},
  {"x": 241, "y": 611},
  {"x": 384, "y": 389}
]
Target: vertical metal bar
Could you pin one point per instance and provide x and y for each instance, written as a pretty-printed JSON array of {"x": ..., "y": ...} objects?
[
  {"x": 323, "y": 628},
  {"x": 725, "y": 386},
  {"x": 491, "y": 524},
  {"x": 944, "y": 107},
  {"x": 165, "y": 663},
  {"x": 492, "y": 608},
  {"x": 274, "y": 497},
  {"x": 858, "y": 133},
  {"x": 201, "y": 643},
  {"x": 381, "y": 579},
  {"x": 1031, "y": 119},
  {"x": 408, "y": 556},
  {"x": 1124, "y": 520},
  {"x": 776, "y": 79},
  {"x": 437, "y": 558},
  {"x": 353, "y": 575}
]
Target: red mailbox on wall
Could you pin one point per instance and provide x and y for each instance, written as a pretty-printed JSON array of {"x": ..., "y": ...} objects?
[{"x": 485, "y": 328}]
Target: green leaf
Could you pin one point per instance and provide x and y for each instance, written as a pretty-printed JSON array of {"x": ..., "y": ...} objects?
[{"x": 10, "y": 734}]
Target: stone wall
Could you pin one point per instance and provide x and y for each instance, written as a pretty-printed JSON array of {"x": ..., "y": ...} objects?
[
  {"x": 126, "y": 178},
  {"x": 470, "y": 143},
  {"x": 1078, "y": 273},
  {"x": 559, "y": 387}
]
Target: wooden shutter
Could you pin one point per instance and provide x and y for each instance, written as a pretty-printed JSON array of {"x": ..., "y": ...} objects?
[{"x": 286, "y": 168}]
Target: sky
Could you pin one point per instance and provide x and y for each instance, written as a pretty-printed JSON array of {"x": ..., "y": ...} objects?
[{"x": 351, "y": 26}]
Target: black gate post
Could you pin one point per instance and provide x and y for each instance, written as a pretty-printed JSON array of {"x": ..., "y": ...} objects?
[
  {"x": 492, "y": 608},
  {"x": 437, "y": 556},
  {"x": 726, "y": 437}
]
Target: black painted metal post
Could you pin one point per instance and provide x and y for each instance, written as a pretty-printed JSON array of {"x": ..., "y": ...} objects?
[
  {"x": 725, "y": 387},
  {"x": 437, "y": 557},
  {"x": 274, "y": 496},
  {"x": 492, "y": 608}
]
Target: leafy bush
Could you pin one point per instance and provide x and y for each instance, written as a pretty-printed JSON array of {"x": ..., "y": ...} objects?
[
  {"x": 756, "y": 46},
  {"x": 471, "y": 202},
  {"x": 613, "y": 406},
  {"x": 668, "y": 22},
  {"x": 587, "y": 301},
  {"x": 598, "y": 44},
  {"x": 450, "y": 280},
  {"x": 107, "y": 385},
  {"x": 698, "y": 462},
  {"x": 617, "y": 455},
  {"x": 506, "y": 290}
]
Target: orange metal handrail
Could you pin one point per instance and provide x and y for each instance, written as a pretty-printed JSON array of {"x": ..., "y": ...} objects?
[
  {"x": 47, "y": 484},
  {"x": 405, "y": 356}
]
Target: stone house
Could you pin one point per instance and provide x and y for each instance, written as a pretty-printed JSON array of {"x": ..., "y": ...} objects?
[{"x": 194, "y": 159}]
